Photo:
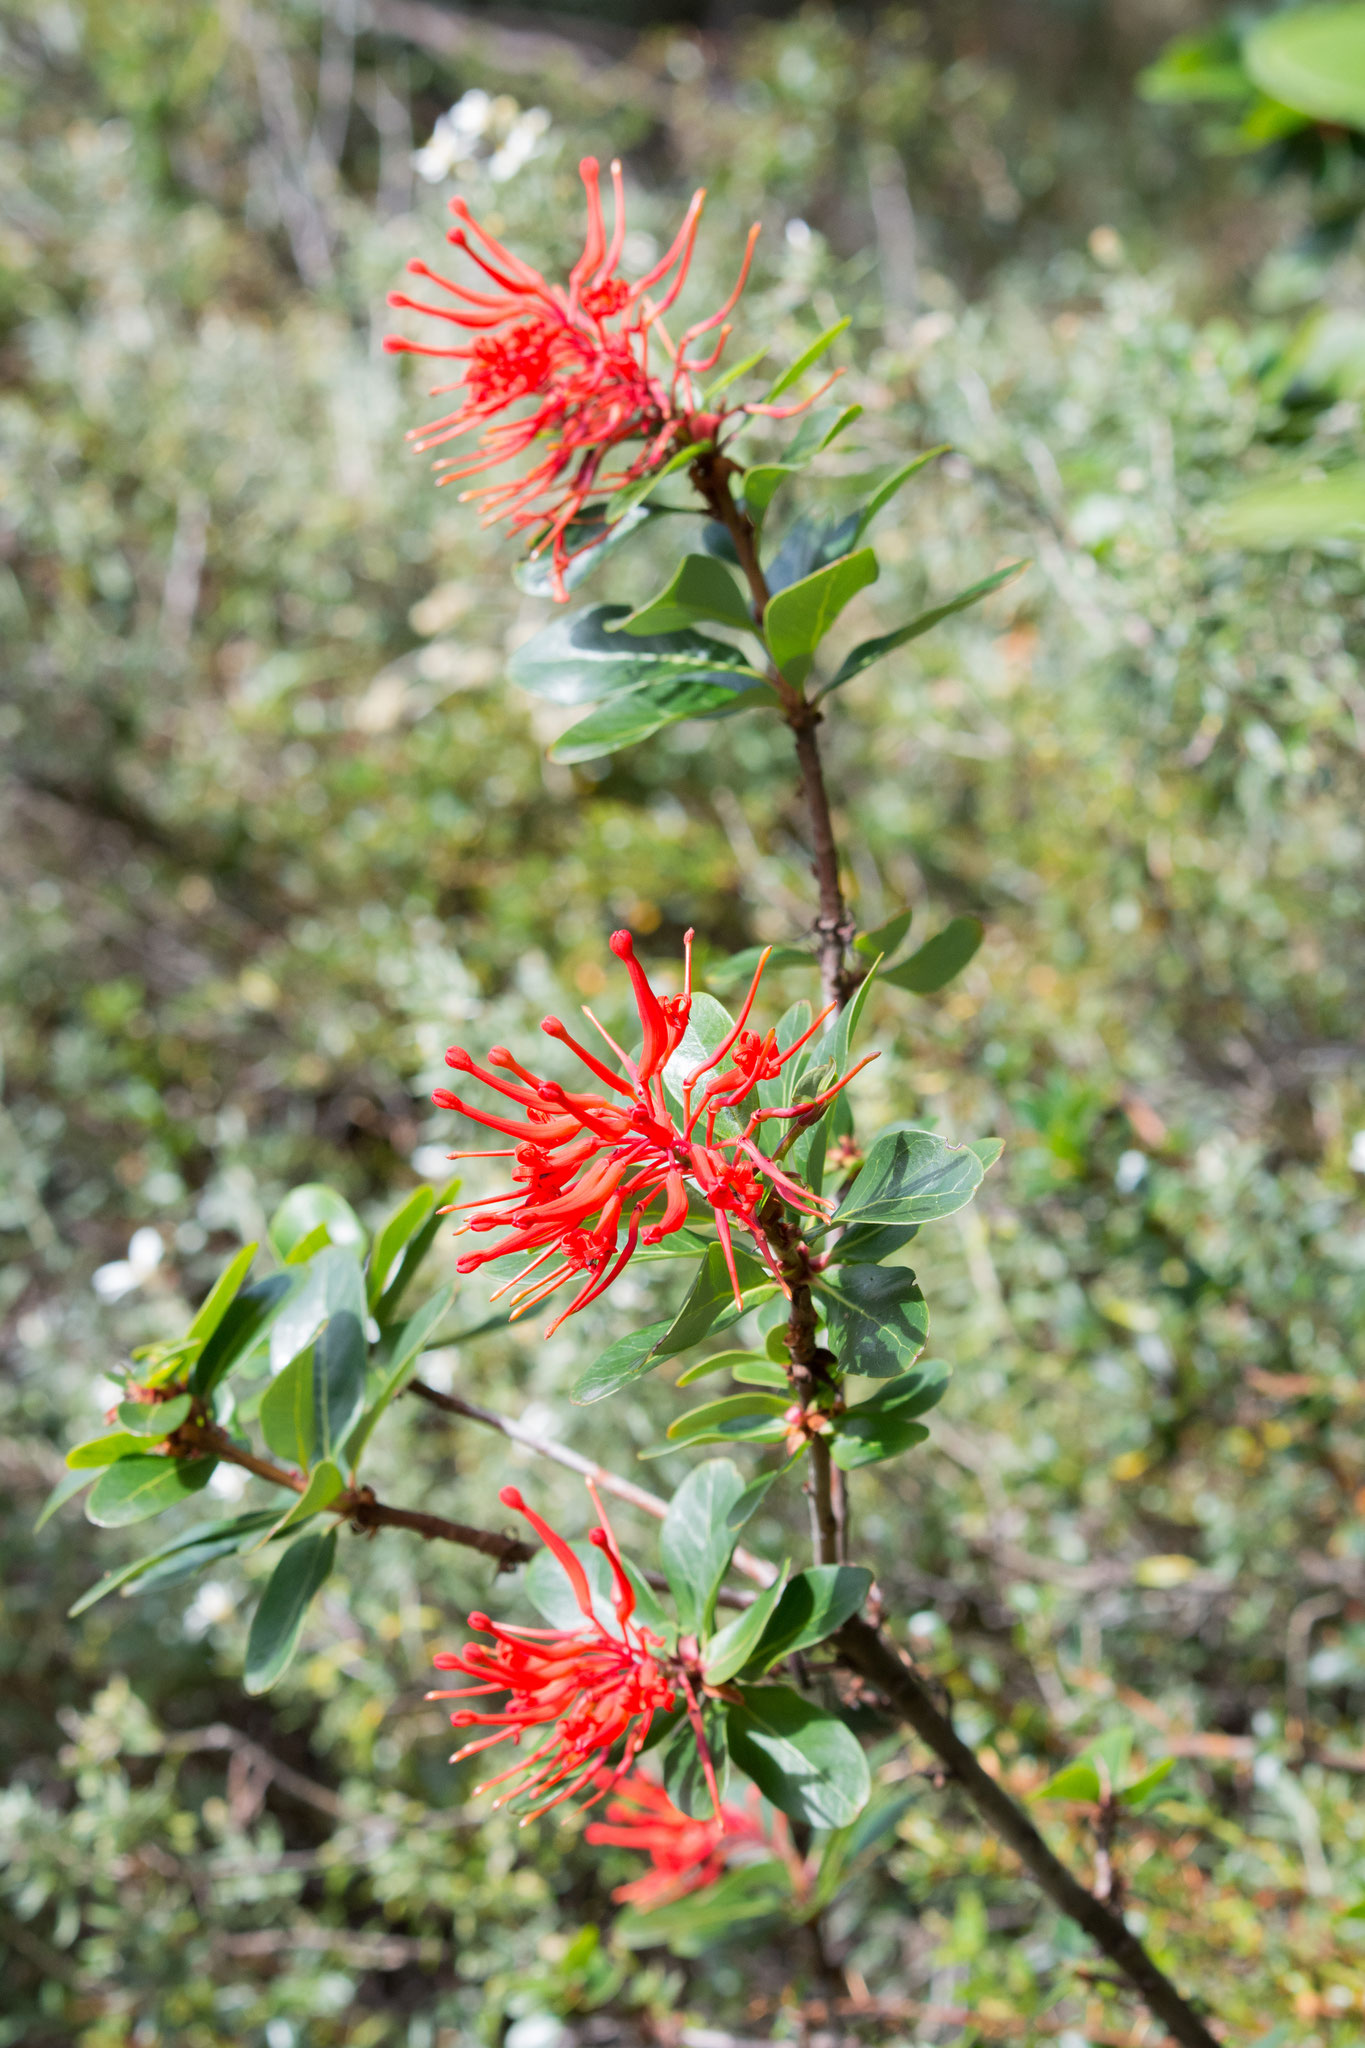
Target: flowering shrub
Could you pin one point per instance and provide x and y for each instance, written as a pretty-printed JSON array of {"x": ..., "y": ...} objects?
[{"x": 287, "y": 1376}]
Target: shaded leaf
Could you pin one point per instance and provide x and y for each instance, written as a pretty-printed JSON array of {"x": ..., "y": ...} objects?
[
  {"x": 187, "y": 1553},
  {"x": 404, "y": 1349},
  {"x": 247, "y": 1317},
  {"x": 803, "y": 1759},
  {"x": 812, "y": 1607},
  {"x": 154, "y": 1419},
  {"x": 636, "y": 714},
  {"x": 700, "y": 588},
  {"x": 278, "y": 1620},
  {"x": 681, "y": 1757},
  {"x": 911, "y": 1176},
  {"x": 224, "y": 1289},
  {"x": 590, "y": 540},
  {"x": 731, "y": 1647},
  {"x": 625, "y": 1360},
  {"x": 798, "y": 617},
  {"x": 882, "y": 941},
  {"x": 695, "y": 1542},
  {"x": 876, "y": 1319},
  {"x": 940, "y": 958}
]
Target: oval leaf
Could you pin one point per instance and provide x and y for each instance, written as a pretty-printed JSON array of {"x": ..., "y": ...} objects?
[
  {"x": 911, "y": 1177},
  {"x": 876, "y": 1318},
  {"x": 802, "y": 1759},
  {"x": 798, "y": 618},
  {"x": 277, "y": 1622},
  {"x": 695, "y": 1543},
  {"x": 141, "y": 1486}
]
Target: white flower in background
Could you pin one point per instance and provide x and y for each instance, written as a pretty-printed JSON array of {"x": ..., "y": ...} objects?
[
  {"x": 1130, "y": 1172},
  {"x": 480, "y": 131},
  {"x": 1356, "y": 1155},
  {"x": 431, "y": 1161},
  {"x": 121, "y": 1276},
  {"x": 213, "y": 1603}
]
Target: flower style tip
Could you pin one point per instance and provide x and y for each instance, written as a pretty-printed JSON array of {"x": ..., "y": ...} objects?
[
  {"x": 562, "y": 372},
  {"x": 584, "y": 1689},
  {"x": 589, "y": 1167}
]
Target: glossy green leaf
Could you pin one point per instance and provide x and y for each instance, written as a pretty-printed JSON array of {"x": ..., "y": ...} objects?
[
  {"x": 580, "y": 659},
  {"x": 419, "y": 1244},
  {"x": 759, "y": 486},
  {"x": 875, "y": 1318},
  {"x": 625, "y": 1360},
  {"x": 1312, "y": 59},
  {"x": 721, "y": 1361},
  {"x": 278, "y": 1621},
  {"x": 138, "y": 1487},
  {"x": 803, "y": 1759},
  {"x": 936, "y": 962},
  {"x": 1194, "y": 68},
  {"x": 637, "y": 715},
  {"x": 710, "y": 1304},
  {"x": 695, "y": 1543},
  {"x": 868, "y": 651},
  {"x": 752, "y": 1417},
  {"x": 882, "y": 941},
  {"x": 325, "y": 1482},
  {"x": 332, "y": 1283},
  {"x": 153, "y": 1420},
  {"x": 105, "y": 1450},
  {"x": 697, "y": 1923},
  {"x": 1074, "y": 1781},
  {"x": 390, "y": 1240},
  {"x": 872, "y": 1244},
  {"x": 732, "y": 1647},
  {"x": 732, "y": 375},
  {"x": 886, "y": 1424},
  {"x": 818, "y": 428},
  {"x": 813, "y": 1606},
  {"x": 911, "y": 1176},
  {"x": 403, "y": 1350},
  {"x": 287, "y": 1416},
  {"x": 305, "y": 1209},
  {"x": 805, "y": 361},
  {"x": 223, "y": 1291},
  {"x": 798, "y": 618},
  {"x": 1145, "y": 1791},
  {"x": 700, "y": 588},
  {"x": 245, "y": 1320},
  {"x": 187, "y": 1553},
  {"x": 886, "y": 491},
  {"x": 987, "y": 1150}
]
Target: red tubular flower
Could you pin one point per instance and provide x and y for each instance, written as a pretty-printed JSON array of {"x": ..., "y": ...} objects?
[
  {"x": 589, "y": 1687},
  {"x": 578, "y": 356},
  {"x": 684, "y": 1854},
  {"x": 582, "y": 1158}
]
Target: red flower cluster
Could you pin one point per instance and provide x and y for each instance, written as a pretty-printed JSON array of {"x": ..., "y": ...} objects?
[
  {"x": 581, "y": 1158},
  {"x": 578, "y": 355},
  {"x": 684, "y": 1854},
  {"x": 591, "y": 1686}
]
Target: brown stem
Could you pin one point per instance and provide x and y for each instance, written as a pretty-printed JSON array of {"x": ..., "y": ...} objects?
[{"x": 870, "y": 1654}]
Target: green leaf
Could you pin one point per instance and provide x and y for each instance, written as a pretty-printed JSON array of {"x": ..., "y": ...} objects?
[
  {"x": 817, "y": 430},
  {"x": 1074, "y": 1781},
  {"x": 724, "y": 1361},
  {"x": 1294, "y": 511},
  {"x": 911, "y": 1176},
  {"x": 188, "y": 1553},
  {"x": 1144, "y": 1791},
  {"x": 404, "y": 1349},
  {"x": 798, "y": 618},
  {"x": 104, "y": 1450},
  {"x": 67, "y": 1487},
  {"x": 701, "y": 588},
  {"x": 987, "y": 1150},
  {"x": 802, "y": 1759},
  {"x": 325, "y": 1482},
  {"x": 591, "y": 540},
  {"x": 695, "y": 1543},
  {"x": 154, "y": 1419},
  {"x": 278, "y": 1621},
  {"x": 886, "y": 491},
  {"x": 872, "y": 1244},
  {"x": 580, "y": 659},
  {"x": 637, "y": 714},
  {"x": 711, "y": 1300},
  {"x": 138, "y": 1487},
  {"x": 305, "y": 1209},
  {"x": 813, "y": 1606},
  {"x": 739, "y": 970},
  {"x": 619, "y": 1364},
  {"x": 389, "y": 1242},
  {"x": 885, "y": 1425},
  {"x": 805, "y": 361},
  {"x": 339, "y": 1359},
  {"x": 418, "y": 1247},
  {"x": 876, "y": 1319},
  {"x": 732, "y": 375},
  {"x": 731, "y": 1647},
  {"x": 684, "y": 1775},
  {"x": 1196, "y": 67},
  {"x": 245, "y": 1319},
  {"x": 759, "y": 486},
  {"x": 939, "y": 958},
  {"x": 332, "y": 1284},
  {"x": 868, "y": 651},
  {"x": 635, "y": 494},
  {"x": 757, "y": 1491},
  {"x": 215, "y": 1303},
  {"x": 1312, "y": 59},
  {"x": 287, "y": 1415},
  {"x": 881, "y": 943},
  {"x": 748, "y": 1418}
]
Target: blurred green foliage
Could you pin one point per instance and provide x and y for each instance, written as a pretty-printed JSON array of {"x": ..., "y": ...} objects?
[{"x": 275, "y": 829}]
